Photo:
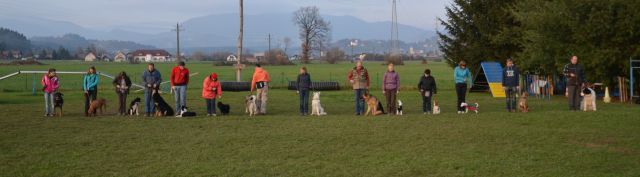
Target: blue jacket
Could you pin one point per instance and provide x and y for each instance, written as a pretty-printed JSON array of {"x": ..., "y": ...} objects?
[
  {"x": 90, "y": 82},
  {"x": 510, "y": 76},
  {"x": 152, "y": 78},
  {"x": 461, "y": 76},
  {"x": 303, "y": 82}
]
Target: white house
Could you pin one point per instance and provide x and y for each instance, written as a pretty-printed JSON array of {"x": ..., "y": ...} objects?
[
  {"x": 90, "y": 57},
  {"x": 120, "y": 57},
  {"x": 151, "y": 55}
]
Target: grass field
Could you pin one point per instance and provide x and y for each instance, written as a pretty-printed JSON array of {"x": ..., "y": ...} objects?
[{"x": 549, "y": 141}]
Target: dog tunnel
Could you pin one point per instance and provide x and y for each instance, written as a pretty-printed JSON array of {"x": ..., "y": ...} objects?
[
  {"x": 317, "y": 86},
  {"x": 489, "y": 78},
  {"x": 235, "y": 86}
]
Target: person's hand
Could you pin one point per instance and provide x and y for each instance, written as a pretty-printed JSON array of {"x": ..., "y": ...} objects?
[
  {"x": 398, "y": 91},
  {"x": 86, "y": 92},
  {"x": 421, "y": 90},
  {"x": 173, "y": 87},
  {"x": 572, "y": 75},
  {"x": 566, "y": 93},
  {"x": 352, "y": 81},
  {"x": 383, "y": 92},
  {"x": 219, "y": 96},
  {"x": 504, "y": 88},
  {"x": 297, "y": 92},
  {"x": 518, "y": 88}
]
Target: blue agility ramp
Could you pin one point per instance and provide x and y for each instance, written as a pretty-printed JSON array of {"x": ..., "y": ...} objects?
[{"x": 489, "y": 78}]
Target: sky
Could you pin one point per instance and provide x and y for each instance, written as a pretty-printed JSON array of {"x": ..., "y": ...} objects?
[{"x": 161, "y": 14}]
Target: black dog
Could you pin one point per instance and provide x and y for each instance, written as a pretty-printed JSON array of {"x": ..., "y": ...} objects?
[
  {"x": 58, "y": 101},
  {"x": 380, "y": 107},
  {"x": 224, "y": 108},
  {"x": 134, "y": 107},
  {"x": 184, "y": 112},
  {"x": 162, "y": 108}
]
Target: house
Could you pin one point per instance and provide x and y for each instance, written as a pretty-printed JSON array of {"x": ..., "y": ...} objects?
[
  {"x": 16, "y": 54},
  {"x": 151, "y": 55},
  {"x": 90, "y": 57},
  {"x": 120, "y": 57}
]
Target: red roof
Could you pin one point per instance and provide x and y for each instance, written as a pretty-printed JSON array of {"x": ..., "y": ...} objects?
[{"x": 154, "y": 52}]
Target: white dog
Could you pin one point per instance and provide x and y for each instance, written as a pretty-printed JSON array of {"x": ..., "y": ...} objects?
[
  {"x": 250, "y": 105},
  {"x": 436, "y": 108},
  {"x": 316, "y": 107},
  {"x": 588, "y": 99},
  {"x": 399, "y": 109}
]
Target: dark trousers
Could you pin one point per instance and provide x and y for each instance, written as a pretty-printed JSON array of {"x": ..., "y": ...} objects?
[
  {"x": 211, "y": 106},
  {"x": 149, "y": 104},
  {"x": 88, "y": 98},
  {"x": 461, "y": 91},
  {"x": 390, "y": 95},
  {"x": 511, "y": 98},
  {"x": 359, "y": 100},
  {"x": 304, "y": 101},
  {"x": 574, "y": 97},
  {"x": 426, "y": 102},
  {"x": 122, "y": 100}
]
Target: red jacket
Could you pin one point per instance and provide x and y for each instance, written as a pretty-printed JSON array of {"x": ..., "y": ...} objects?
[
  {"x": 208, "y": 86},
  {"x": 179, "y": 76}
]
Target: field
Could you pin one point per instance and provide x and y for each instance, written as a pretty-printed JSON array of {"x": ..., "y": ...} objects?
[{"x": 549, "y": 141}]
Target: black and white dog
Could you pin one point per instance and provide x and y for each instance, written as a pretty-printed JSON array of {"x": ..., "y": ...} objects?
[
  {"x": 134, "y": 107},
  {"x": 224, "y": 108},
  {"x": 399, "y": 109},
  {"x": 162, "y": 108},
  {"x": 185, "y": 113}
]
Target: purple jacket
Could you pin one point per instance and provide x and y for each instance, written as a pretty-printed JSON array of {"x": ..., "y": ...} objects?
[{"x": 391, "y": 81}]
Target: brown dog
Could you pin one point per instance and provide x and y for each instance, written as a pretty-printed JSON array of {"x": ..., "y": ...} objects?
[
  {"x": 522, "y": 102},
  {"x": 98, "y": 104},
  {"x": 372, "y": 105}
]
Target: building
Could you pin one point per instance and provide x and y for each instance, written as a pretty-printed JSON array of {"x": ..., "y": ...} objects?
[
  {"x": 90, "y": 57},
  {"x": 120, "y": 57},
  {"x": 151, "y": 55}
]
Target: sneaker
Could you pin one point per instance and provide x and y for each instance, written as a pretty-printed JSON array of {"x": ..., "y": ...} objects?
[
  {"x": 428, "y": 112},
  {"x": 214, "y": 115},
  {"x": 209, "y": 115}
]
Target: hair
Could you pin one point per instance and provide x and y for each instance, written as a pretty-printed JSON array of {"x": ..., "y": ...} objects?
[
  {"x": 92, "y": 68},
  {"x": 462, "y": 63},
  {"x": 304, "y": 68},
  {"x": 181, "y": 63},
  {"x": 258, "y": 65},
  {"x": 509, "y": 60},
  {"x": 52, "y": 70},
  {"x": 427, "y": 71},
  {"x": 150, "y": 64}
]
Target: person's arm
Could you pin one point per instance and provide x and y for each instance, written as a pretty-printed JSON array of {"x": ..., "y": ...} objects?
[
  {"x": 186, "y": 78},
  {"x": 219, "y": 89},
  {"x": 420, "y": 84},
  {"x": 253, "y": 82},
  {"x": 469, "y": 77},
  {"x": 366, "y": 76},
  {"x": 172, "y": 77},
  {"x": 384, "y": 81},
  {"x": 504, "y": 77},
  {"x": 158, "y": 79},
  {"x": 582, "y": 75},
  {"x": 144, "y": 78},
  {"x": 517, "y": 76},
  {"x": 435, "y": 87},
  {"x": 309, "y": 80},
  {"x": 350, "y": 75},
  {"x": 565, "y": 70},
  {"x": 55, "y": 84},
  {"x": 84, "y": 83},
  {"x": 127, "y": 81},
  {"x": 298, "y": 83},
  {"x": 397, "y": 82}
]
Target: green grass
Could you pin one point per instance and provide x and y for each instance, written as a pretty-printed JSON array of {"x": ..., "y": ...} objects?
[{"x": 549, "y": 141}]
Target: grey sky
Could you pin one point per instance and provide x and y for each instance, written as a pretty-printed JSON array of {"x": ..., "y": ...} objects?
[{"x": 157, "y": 13}]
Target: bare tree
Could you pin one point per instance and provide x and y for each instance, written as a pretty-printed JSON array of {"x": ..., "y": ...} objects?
[
  {"x": 314, "y": 30},
  {"x": 334, "y": 55},
  {"x": 287, "y": 43},
  {"x": 198, "y": 56}
]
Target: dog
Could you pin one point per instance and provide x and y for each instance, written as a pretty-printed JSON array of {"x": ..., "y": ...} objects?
[
  {"x": 588, "y": 99},
  {"x": 250, "y": 105},
  {"x": 436, "y": 107},
  {"x": 162, "y": 108},
  {"x": 399, "y": 109},
  {"x": 224, "y": 108},
  {"x": 134, "y": 107},
  {"x": 184, "y": 112},
  {"x": 522, "y": 102},
  {"x": 316, "y": 106},
  {"x": 373, "y": 105},
  {"x": 98, "y": 104},
  {"x": 58, "y": 101},
  {"x": 468, "y": 108}
]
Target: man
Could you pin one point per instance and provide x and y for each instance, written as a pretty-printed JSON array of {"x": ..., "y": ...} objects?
[
  {"x": 151, "y": 79},
  {"x": 359, "y": 79},
  {"x": 179, "y": 80},
  {"x": 511, "y": 84},
  {"x": 428, "y": 89},
  {"x": 260, "y": 82},
  {"x": 390, "y": 85},
  {"x": 461, "y": 76},
  {"x": 574, "y": 73}
]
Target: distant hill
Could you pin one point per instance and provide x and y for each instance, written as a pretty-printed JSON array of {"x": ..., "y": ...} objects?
[{"x": 74, "y": 41}]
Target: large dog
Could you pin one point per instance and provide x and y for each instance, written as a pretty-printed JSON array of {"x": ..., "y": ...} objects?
[
  {"x": 373, "y": 105},
  {"x": 134, "y": 107},
  {"x": 162, "y": 108},
  {"x": 98, "y": 104},
  {"x": 588, "y": 99},
  {"x": 58, "y": 101},
  {"x": 316, "y": 106},
  {"x": 250, "y": 105},
  {"x": 522, "y": 102},
  {"x": 224, "y": 108}
]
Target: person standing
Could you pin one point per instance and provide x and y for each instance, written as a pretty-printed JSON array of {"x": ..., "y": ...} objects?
[
  {"x": 303, "y": 85},
  {"x": 359, "y": 79},
  {"x": 151, "y": 78},
  {"x": 574, "y": 72},
  {"x": 90, "y": 87},
  {"x": 122, "y": 84},
  {"x": 511, "y": 84},
  {"x": 179, "y": 80},
  {"x": 428, "y": 89},
  {"x": 260, "y": 83},
  {"x": 211, "y": 89},
  {"x": 462, "y": 76},
  {"x": 390, "y": 88},
  {"x": 49, "y": 87}
]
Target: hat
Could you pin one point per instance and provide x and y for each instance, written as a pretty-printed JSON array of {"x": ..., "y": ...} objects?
[{"x": 214, "y": 76}]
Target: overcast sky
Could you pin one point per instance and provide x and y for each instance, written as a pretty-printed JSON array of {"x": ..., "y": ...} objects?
[{"x": 109, "y": 13}]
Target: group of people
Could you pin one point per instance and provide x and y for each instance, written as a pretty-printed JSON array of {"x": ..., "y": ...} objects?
[{"x": 358, "y": 78}]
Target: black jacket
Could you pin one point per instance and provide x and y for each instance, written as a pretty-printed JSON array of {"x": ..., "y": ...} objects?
[
  {"x": 577, "y": 70},
  {"x": 428, "y": 83},
  {"x": 303, "y": 82},
  {"x": 510, "y": 76},
  {"x": 127, "y": 82}
]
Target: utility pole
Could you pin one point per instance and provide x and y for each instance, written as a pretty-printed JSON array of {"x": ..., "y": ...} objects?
[
  {"x": 177, "y": 30},
  {"x": 394, "y": 31},
  {"x": 239, "y": 53},
  {"x": 269, "y": 51}
]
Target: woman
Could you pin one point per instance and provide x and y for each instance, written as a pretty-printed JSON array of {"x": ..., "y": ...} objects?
[
  {"x": 390, "y": 84},
  {"x": 428, "y": 89},
  {"x": 122, "y": 84},
  {"x": 90, "y": 87},
  {"x": 302, "y": 88},
  {"x": 462, "y": 76},
  {"x": 211, "y": 89},
  {"x": 49, "y": 87}
]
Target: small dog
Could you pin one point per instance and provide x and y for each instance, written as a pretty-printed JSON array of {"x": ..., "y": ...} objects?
[
  {"x": 98, "y": 104},
  {"x": 250, "y": 105},
  {"x": 224, "y": 108},
  {"x": 134, "y": 107},
  {"x": 399, "y": 109},
  {"x": 316, "y": 106},
  {"x": 162, "y": 108},
  {"x": 588, "y": 99},
  {"x": 468, "y": 108},
  {"x": 522, "y": 102},
  {"x": 436, "y": 107},
  {"x": 373, "y": 105},
  {"x": 58, "y": 101},
  {"x": 184, "y": 112}
]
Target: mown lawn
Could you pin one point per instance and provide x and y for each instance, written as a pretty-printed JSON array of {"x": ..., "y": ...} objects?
[{"x": 549, "y": 141}]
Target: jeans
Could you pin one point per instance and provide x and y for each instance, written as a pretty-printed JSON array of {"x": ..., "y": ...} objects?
[
  {"x": 390, "y": 95},
  {"x": 574, "y": 97},
  {"x": 461, "y": 91},
  {"x": 149, "y": 105},
  {"x": 48, "y": 103},
  {"x": 261, "y": 101},
  {"x": 88, "y": 98},
  {"x": 211, "y": 106},
  {"x": 359, "y": 100},
  {"x": 180, "y": 95},
  {"x": 511, "y": 98},
  {"x": 122, "y": 100},
  {"x": 304, "y": 101},
  {"x": 426, "y": 102}
]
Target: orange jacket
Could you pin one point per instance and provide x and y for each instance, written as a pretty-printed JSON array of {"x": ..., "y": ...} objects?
[
  {"x": 260, "y": 75},
  {"x": 208, "y": 86},
  {"x": 179, "y": 76}
]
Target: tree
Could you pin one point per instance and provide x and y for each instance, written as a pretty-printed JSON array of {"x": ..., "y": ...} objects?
[
  {"x": 287, "y": 43},
  {"x": 198, "y": 56},
  {"x": 12, "y": 40},
  {"x": 334, "y": 55},
  {"x": 314, "y": 30},
  {"x": 277, "y": 57},
  {"x": 63, "y": 54}
]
